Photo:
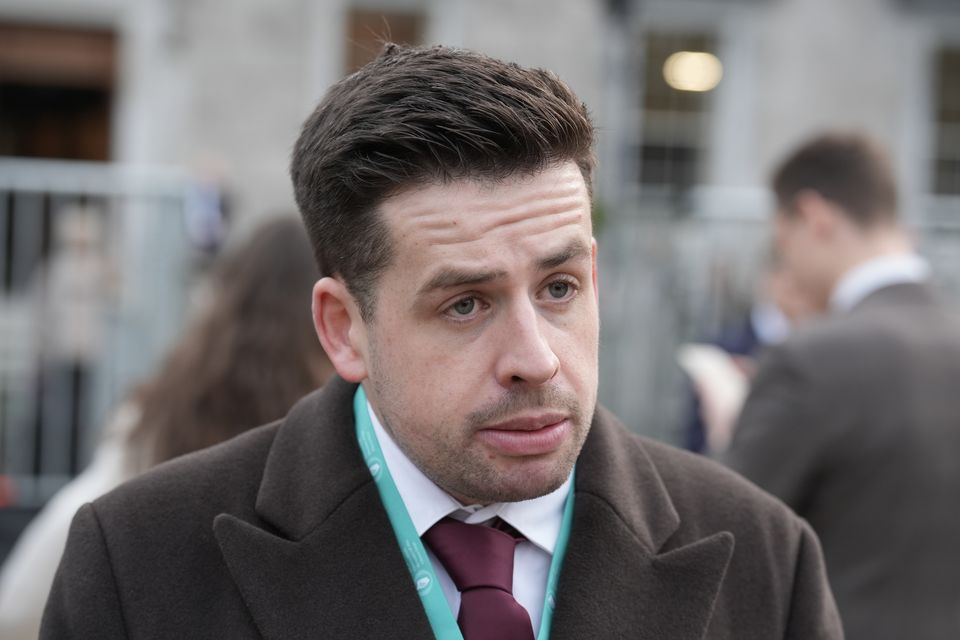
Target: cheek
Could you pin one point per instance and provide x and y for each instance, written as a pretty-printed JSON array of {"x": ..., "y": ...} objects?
[
  {"x": 796, "y": 257},
  {"x": 577, "y": 343},
  {"x": 782, "y": 243},
  {"x": 435, "y": 378}
]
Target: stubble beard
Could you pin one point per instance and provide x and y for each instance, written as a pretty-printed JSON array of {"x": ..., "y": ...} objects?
[{"x": 457, "y": 462}]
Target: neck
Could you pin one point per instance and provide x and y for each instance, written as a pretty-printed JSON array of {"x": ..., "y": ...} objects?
[{"x": 867, "y": 245}]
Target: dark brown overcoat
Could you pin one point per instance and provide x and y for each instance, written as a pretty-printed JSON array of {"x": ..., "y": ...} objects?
[{"x": 280, "y": 534}]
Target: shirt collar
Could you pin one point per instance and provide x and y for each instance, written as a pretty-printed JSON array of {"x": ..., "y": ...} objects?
[
  {"x": 539, "y": 519},
  {"x": 769, "y": 323},
  {"x": 875, "y": 274}
]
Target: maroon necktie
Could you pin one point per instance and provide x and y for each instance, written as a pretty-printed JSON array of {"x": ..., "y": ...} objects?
[{"x": 479, "y": 559}]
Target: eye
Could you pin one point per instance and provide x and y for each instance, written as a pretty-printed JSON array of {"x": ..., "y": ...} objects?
[
  {"x": 464, "y": 306},
  {"x": 562, "y": 289},
  {"x": 466, "y": 309},
  {"x": 558, "y": 289}
]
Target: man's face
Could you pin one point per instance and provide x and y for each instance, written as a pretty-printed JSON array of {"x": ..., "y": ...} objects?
[
  {"x": 790, "y": 298},
  {"x": 481, "y": 356},
  {"x": 804, "y": 257}
]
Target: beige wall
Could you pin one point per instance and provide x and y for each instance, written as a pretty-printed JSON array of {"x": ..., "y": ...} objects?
[{"x": 828, "y": 64}]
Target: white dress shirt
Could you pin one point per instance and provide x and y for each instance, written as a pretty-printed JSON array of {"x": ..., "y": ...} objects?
[
  {"x": 873, "y": 275},
  {"x": 769, "y": 323},
  {"x": 539, "y": 520}
]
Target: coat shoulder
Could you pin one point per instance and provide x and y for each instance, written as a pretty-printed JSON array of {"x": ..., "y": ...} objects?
[
  {"x": 675, "y": 501},
  {"x": 709, "y": 497},
  {"x": 776, "y": 564},
  {"x": 224, "y": 477},
  {"x": 646, "y": 478}
]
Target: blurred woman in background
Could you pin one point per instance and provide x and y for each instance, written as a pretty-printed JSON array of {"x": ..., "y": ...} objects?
[{"x": 249, "y": 354}]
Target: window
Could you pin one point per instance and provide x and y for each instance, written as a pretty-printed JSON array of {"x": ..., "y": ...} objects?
[
  {"x": 946, "y": 162},
  {"x": 55, "y": 92},
  {"x": 56, "y": 88},
  {"x": 673, "y": 119}
]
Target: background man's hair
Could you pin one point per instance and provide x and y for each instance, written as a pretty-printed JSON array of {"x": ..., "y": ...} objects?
[
  {"x": 416, "y": 116},
  {"x": 847, "y": 169}
]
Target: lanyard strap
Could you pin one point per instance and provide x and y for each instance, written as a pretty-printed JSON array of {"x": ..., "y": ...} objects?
[{"x": 438, "y": 611}]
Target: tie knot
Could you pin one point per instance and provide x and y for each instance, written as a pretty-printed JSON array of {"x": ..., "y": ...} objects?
[{"x": 474, "y": 555}]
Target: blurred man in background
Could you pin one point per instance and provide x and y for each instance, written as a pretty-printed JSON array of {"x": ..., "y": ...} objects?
[
  {"x": 855, "y": 422},
  {"x": 720, "y": 369}
]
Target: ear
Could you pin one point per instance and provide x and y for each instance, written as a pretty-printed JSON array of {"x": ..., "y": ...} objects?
[
  {"x": 818, "y": 214},
  {"x": 593, "y": 260},
  {"x": 342, "y": 332}
]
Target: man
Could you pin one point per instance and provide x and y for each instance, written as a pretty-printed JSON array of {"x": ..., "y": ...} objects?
[
  {"x": 855, "y": 423},
  {"x": 448, "y": 198},
  {"x": 720, "y": 369}
]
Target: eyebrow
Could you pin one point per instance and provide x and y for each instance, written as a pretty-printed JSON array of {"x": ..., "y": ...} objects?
[
  {"x": 449, "y": 278},
  {"x": 452, "y": 277},
  {"x": 575, "y": 250}
]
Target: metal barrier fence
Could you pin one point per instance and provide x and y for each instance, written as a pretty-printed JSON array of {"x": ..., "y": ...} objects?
[{"x": 93, "y": 267}]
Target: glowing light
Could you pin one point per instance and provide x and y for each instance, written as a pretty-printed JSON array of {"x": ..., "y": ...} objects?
[{"x": 692, "y": 71}]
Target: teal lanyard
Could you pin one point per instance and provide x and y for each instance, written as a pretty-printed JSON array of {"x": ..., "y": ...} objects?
[{"x": 442, "y": 622}]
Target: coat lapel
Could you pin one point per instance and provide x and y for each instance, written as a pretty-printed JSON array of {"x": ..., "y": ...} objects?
[
  {"x": 913, "y": 295},
  {"x": 322, "y": 560},
  {"x": 621, "y": 577}
]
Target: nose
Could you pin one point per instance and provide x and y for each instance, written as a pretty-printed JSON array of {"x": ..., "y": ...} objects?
[{"x": 526, "y": 356}]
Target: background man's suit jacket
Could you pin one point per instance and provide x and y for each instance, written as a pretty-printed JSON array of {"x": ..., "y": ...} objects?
[
  {"x": 280, "y": 534},
  {"x": 855, "y": 423}
]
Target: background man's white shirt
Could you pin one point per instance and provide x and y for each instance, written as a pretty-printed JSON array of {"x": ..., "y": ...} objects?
[
  {"x": 872, "y": 275},
  {"x": 539, "y": 520}
]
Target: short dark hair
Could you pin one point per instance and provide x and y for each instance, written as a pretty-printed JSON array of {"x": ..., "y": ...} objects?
[
  {"x": 847, "y": 169},
  {"x": 415, "y": 116}
]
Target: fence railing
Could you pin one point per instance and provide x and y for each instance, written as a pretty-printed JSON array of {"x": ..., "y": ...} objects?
[{"x": 93, "y": 266}]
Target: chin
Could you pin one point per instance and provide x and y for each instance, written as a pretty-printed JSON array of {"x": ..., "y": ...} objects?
[
  {"x": 529, "y": 493},
  {"x": 530, "y": 486}
]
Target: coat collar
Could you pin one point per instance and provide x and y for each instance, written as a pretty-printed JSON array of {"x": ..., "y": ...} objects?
[
  {"x": 314, "y": 463},
  {"x": 875, "y": 274},
  {"x": 325, "y": 540},
  {"x": 904, "y": 294},
  {"x": 621, "y": 576}
]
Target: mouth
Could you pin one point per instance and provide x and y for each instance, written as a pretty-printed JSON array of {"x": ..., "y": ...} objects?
[{"x": 533, "y": 435}]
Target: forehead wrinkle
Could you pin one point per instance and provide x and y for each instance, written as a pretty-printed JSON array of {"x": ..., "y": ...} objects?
[
  {"x": 564, "y": 208},
  {"x": 550, "y": 220},
  {"x": 434, "y": 213}
]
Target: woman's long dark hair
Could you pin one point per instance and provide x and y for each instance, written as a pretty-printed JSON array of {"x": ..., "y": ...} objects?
[{"x": 249, "y": 355}]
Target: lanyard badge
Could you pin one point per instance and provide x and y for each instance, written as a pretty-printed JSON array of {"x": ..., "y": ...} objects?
[{"x": 442, "y": 620}]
